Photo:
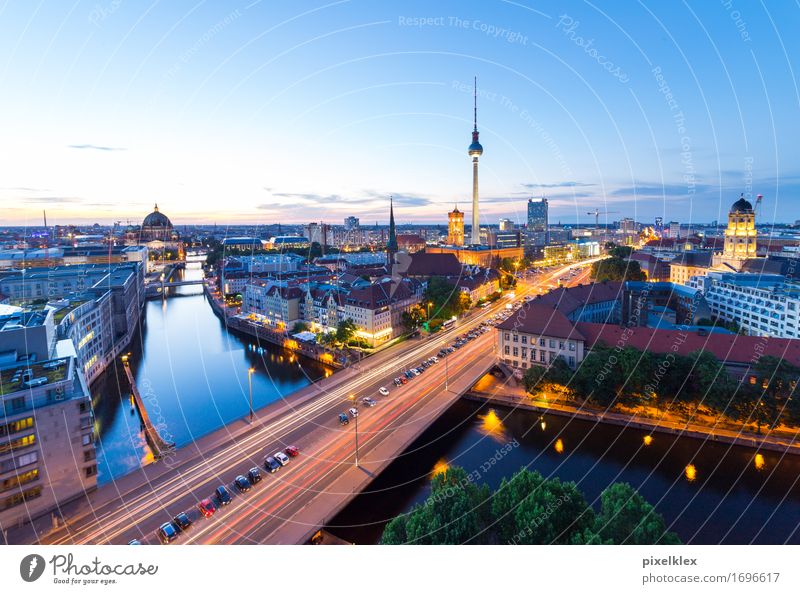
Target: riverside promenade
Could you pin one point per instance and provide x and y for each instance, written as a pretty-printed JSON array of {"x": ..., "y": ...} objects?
[{"x": 489, "y": 390}]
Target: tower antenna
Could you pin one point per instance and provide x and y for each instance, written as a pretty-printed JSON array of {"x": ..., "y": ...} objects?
[{"x": 475, "y": 103}]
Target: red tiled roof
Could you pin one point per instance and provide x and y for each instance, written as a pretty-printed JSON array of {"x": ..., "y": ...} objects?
[
  {"x": 732, "y": 348},
  {"x": 423, "y": 264},
  {"x": 539, "y": 318},
  {"x": 568, "y": 299}
]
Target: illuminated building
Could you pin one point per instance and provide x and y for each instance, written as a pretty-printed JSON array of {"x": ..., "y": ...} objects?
[{"x": 455, "y": 227}]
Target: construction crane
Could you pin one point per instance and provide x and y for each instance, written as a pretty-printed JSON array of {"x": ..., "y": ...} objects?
[{"x": 596, "y": 212}]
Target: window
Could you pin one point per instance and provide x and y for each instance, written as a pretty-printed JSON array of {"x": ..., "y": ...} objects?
[
  {"x": 19, "y": 443},
  {"x": 18, "y": 498},
  {"x": 524, "y": 339},
  {"x": 506, "y": 350},
  {"x": 91, "y": 470},
  {"x": 572, "y": 346},
  {"x": 552, "y": 343},
  {"x": 516, "y": 352},
  {"x": 515, "y": 337},
  {"x": 15, "y": 426},
  {"x": 20, "y": 479}
]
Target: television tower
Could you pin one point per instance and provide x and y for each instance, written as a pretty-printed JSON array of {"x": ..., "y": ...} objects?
[{"x": 475, "y": 151}]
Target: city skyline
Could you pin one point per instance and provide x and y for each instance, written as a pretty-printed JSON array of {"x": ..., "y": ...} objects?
[{"x": 278, "y": 110}]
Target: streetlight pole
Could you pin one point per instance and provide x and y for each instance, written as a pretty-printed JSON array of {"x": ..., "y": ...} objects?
[
  {"x": 250, "y": 373},
  {"x": 355, "y": 408},
  {"x": 446, "y": 369}
]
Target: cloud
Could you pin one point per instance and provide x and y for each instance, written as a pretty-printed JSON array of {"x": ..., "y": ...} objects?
[
  {"x": 51, "y": 199},
  {"x": 564, "y": 184},
  {"x": 666, "y": 190},
  {"x": 363, "y": 199},
  {"x": 95, "y": 147},
  {"x": 19, "y": 189}
]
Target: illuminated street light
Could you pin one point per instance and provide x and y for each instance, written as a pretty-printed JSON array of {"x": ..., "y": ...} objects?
[
  {"x": 353, "y": 399},
  {"x": 250, "y": 373}
]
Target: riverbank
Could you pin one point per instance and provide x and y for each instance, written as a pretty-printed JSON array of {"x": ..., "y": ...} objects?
[
  {"x": 260, "y": 332},
  {"x": 515, "y": 397}
]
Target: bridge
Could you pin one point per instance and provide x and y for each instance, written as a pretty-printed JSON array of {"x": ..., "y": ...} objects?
[{"x": 335, "y": 464}]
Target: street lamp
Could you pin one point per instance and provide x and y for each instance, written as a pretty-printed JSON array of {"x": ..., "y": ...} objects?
[
  {"x": 250, "y": 373},
  {"x": 353, "y": 399},
  {"x": 430, "y": 303}
]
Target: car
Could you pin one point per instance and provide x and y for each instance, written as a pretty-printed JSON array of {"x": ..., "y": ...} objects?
[
  {"x": 409, "y": 374},
  {"x": 182, "y": 521},
  {"x": 343, "y": 420},
  {"x": 369, "y": 401},
  {"x": 207, "y": 508},
  {"x": 282, "y": 458},
  {"x": 396, "y": 381},
  {"x": 403, "y": 380},
  {"x": 416, "y": 371},
  {"x": 450, "y": 350},
  {"x": 254, "y": 475},
  {"x": 271, "y": 464},
  {"x": 434, "y": 360},
  {"x": 293, "y": 451},
  {"x": 353, "y": 412},
  {"x": 223, "y": 495},
  {"x": 167, "y": 533},
  {"x": 383, "y": 391},
  {"x": 135, "y": 541},
  {"x": 242, "y": 484}
]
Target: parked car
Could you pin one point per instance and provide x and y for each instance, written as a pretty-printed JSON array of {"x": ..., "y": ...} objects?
[
  {"x": 434, "y": 359},
  {"x": 343, "y": 420},
  {"x": 282, "y": 458},
  {"x": 396, "y": 381},
  {"x": 369, "y": 401},
  {"x": 182, "y": 521},
  {"x": 292, "y": 451},
  {"x": 242, "y": 484},
  {"x": 223, "y": 495},
  {"x": 383, "y": 391},
  {"x": 353, "y": 412},
  {"x": 254, "y": 475},
  {"x": 135, "y": 541},
  {"x": 409, "y": 375},
  {"x": 416, "y": 371},
  {"x": 167, "y": 533},
  {"x": 403, "y": 380},
  {"x": 271, "y": 464},
  {"x": 207, "y": 508}
]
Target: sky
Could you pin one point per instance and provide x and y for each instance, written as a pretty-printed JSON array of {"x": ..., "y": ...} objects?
[{"x": 292, "y": 111}]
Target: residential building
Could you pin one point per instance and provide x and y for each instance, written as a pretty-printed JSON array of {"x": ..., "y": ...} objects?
[
  {"x": 538, "y": 225},
  {"x": 689, "y": 264}
]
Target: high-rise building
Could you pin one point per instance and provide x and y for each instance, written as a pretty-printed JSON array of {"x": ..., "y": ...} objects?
[
  {"x": 352, "y": 223},
  {"x": 674, "y": 230},
  {"x": 537, "y": 223},
  {"x": 475, "y": 150},
  {"x": 47, "y": 452},
  {"x": 506, "y": 225},
  {"x": 455, "y": 227},
  {"x": 627, "y": 225},
  {"x": 659, "y": 225}
]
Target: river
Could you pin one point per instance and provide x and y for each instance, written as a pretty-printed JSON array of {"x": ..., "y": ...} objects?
[
  {"x": 192, "y": 373},
  {"x": 709, "y": 493}
]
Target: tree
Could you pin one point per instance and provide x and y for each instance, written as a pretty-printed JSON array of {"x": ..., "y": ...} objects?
[
  {"x": 464, "y": 302},
  {"x": 345, "y": 330},
  {"x": 412, "y": 318},
  {"x": 538, "y": 511},
  {"x": 559, "y": 372},
  {"x": 299, "y": 327},
  {"x": 456, "y": 512},
  {"x": 532, "y": 377},
  {"x": 617, "y": 269},
  {"x": 446, "y": 298},
  {"x": 627, "y": 518}
]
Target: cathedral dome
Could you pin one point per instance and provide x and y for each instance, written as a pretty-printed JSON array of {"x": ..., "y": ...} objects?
[
  {"x": 741, "y": 205},
  {"x": 157, "y": 219}
]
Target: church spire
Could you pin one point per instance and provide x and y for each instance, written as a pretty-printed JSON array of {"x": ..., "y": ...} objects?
[{"x": 391, "y": 244}]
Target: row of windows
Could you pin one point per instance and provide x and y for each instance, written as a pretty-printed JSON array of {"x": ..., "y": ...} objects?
[
  {"x": 543, "y": 342},
  {"x": 22, "y": 497},
  {"x": 19, "y": 479},
  {"x": 16, "y": 426},
  {"x": 18, "y": 443},
  {"x": 19, "y": 462}
]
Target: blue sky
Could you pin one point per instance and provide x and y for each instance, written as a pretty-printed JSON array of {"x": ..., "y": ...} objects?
[{"x": 289, "y": 111}]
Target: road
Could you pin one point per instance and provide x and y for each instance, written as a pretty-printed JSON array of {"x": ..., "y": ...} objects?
[{"x": 135, "y": 506}]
